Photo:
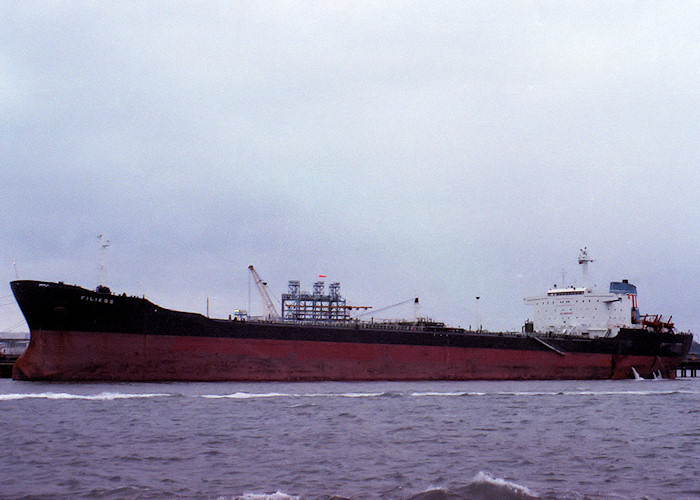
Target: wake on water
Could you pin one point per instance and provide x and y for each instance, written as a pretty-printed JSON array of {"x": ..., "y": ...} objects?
[{"x": 637, "y": 376}]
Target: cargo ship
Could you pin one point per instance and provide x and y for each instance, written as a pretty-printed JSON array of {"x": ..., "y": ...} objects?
[{"x": 576, "y": 333}]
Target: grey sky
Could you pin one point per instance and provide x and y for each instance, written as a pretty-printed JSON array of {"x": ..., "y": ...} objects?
[{"x": 444, "y": 149}]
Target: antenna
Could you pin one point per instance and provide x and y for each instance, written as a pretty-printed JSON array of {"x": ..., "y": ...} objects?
[
  {"x": 16, "y": 272},
  {"x": 104, "y": 244},
  {"x": 478, "y": 327}
]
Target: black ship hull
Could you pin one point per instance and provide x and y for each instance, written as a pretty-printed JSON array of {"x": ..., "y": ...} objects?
[{"x": 78, "y": 334}]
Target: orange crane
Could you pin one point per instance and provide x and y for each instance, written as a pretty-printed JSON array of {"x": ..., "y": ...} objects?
[{"x": 270, "y": 309}]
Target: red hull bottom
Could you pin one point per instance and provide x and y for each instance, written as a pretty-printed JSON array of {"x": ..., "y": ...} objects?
[{"x": 126, "y": 357}]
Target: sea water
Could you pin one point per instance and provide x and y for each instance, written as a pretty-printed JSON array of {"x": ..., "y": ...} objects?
[{"x": 410, "y": 440}]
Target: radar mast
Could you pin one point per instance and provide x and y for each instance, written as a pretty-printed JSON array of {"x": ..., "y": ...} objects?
[{"x": 583, "y": 259}]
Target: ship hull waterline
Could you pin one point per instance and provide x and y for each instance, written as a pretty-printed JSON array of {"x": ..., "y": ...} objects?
[{"x": 108, "y": 356}]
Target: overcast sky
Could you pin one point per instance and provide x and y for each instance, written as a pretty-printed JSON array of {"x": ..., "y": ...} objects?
[{"x": 441, "y": 149}]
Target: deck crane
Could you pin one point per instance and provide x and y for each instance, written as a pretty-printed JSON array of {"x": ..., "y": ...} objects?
[
  {"x": 270, "y": 309},
  {"x": 416, "y": 308}
]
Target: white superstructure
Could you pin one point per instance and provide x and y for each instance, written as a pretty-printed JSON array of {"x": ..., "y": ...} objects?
[{"x": 583, "y": 311}]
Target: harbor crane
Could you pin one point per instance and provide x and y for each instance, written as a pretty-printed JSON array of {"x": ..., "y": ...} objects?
[{"x": 270, "y": 309}]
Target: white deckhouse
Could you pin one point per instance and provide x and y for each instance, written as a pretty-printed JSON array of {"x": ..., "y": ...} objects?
[{"x": 583, "y": 311}]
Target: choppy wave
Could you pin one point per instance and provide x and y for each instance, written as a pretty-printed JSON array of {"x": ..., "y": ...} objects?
[
  {"x": 550, "y": 393},
  {"x": 446, "y": 394},
  {"x": 482, "y": 487},
  {"x": 247, "y": 395},
  {"x": 103, "y": 396},
  {"x": 253, "y": 395},
  {"x": 355, "y": 440},
  {"x": 263, "y": 496},
  {"x": 110, "y": 396}
]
